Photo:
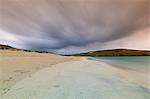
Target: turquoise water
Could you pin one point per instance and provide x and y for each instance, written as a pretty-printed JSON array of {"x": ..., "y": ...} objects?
[
  {"x": 138, "y": 63},
  {"x": 139, "y": 59}
]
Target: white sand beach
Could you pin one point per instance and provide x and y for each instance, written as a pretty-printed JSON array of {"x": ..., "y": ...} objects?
[
  {"x": 64, "y": 77},
  {"x": 17, "y": 65}
]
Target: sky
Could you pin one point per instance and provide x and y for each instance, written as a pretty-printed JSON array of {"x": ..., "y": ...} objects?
[{"x": 75, "y": 26}]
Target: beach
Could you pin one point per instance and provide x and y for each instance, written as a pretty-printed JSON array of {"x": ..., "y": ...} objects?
[
  {"x": 17, "y": 65},
  {"x": 29, "y": 75}
]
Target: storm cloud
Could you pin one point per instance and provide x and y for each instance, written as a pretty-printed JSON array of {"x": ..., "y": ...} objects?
[{"x": 57, "y": 25}]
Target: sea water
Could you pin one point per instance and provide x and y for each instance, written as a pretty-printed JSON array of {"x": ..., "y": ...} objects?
[
  {"x": 139, "y": 63},
  {"x": 139, "y": 59}
]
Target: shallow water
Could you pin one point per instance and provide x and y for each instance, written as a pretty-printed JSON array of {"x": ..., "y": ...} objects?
[
  {"x": 139, "y": 63},
  {"x": 139, "y": 59}
]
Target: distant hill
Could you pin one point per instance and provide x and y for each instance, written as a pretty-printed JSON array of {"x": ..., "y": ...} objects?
[
  {"x": 113, "y": 52},
  {"x": 7, "y": 47},
  {"x": 116, "y": 52}
]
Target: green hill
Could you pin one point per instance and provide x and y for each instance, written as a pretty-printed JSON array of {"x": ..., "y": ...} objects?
[{"x": 116, "y": 52}]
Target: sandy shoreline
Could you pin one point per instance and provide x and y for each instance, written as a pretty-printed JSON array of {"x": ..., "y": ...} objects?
[
  {"x": 16, "y": 65},
  {"x": 46, "y": 78}
]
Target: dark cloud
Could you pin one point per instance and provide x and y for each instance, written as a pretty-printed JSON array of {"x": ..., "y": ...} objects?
[{"x": 58, "y": 24}]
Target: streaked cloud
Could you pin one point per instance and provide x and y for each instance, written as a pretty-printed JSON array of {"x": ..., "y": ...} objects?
[{"x": 68, "y": 26}]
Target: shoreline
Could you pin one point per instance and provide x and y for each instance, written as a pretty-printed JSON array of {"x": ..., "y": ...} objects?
[
  {"x": 128, "y": 72},
  {"x": 65, "y": 72},
  {"x": 17, "y": 65},
  {"x": 74, "y": 75}
]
